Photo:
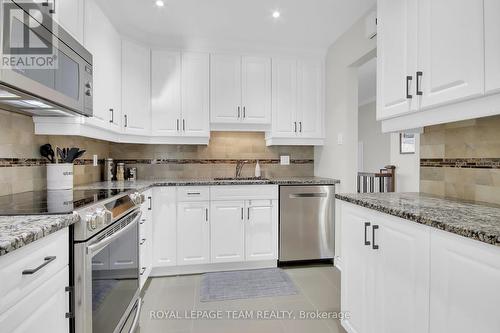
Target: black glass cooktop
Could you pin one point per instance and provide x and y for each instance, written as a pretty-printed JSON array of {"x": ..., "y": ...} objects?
[{"x": 52, "y": 202}]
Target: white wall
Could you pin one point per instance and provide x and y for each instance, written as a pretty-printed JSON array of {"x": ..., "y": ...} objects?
[
  {"x": 343, "y": 58},
  {"x": 407, "y": 166},
  {"x": 376, "y": 145}
]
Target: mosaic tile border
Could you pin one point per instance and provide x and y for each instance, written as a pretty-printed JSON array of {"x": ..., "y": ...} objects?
[
  {"x": 468, "y": 163},
  {"x": 32, "y": 162}
]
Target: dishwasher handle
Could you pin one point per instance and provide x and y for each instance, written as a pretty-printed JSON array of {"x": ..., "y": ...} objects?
[{"x": 309, "y": 195}]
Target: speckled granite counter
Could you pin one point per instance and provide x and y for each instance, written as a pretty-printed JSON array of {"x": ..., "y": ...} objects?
[
  {"x": 18, "y": 231},
  {"x": 144, "y": 184},
  {"x": 469, "y": 219}
]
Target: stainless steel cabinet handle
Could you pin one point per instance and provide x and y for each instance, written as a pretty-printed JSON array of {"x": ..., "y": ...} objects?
[
  {"x": 367, "y": 225},
  {"x": 300, "y": 126},
  {"x": 309, "y": 195},
  {"x": 46, "y": 261},
  {"x": 206, "y": 214},
  {"x": 193, "y": 193},
  {"x": 126, "y": 121},
  {"x": 142, "y": 221},
  {"x": 112, "y": 120},
  {"x": 419, "y": 77},
  {"x": 150, "y": 203},
  {"x": 408, "y": 80},
  {"x": 239, "y": 112},
  {"x": 244, "y": 112},
  {"x": 143, "y": 270},
  {"x": 374, "y": 246},
  {"x": 142, "y": 241},
  {"x": 184, "y": 125},
  {"x": 295, "y": 126},
  {"x": 248, "y": 213},
  {"x": 177, "y": 125},
  {"x": 242, "y": 217}
]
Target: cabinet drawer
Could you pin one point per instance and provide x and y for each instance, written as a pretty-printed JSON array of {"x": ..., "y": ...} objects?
[
  {"x": 244, "y": 192},
  {"x": 193, "y": 193},
  {"x": 15, "y": 285}
]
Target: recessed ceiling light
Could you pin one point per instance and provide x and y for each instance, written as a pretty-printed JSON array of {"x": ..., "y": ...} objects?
[
  {"x": 276, "y": 14},
  {"x": 159, "y": 3}
]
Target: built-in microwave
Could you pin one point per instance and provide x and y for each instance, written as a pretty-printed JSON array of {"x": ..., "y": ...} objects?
[{"x": 61, "y": 83}]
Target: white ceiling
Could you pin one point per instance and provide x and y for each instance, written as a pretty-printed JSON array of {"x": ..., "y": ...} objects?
[
  {"x": 367, "y": 78},
  {"x": 312, "y": 24}
]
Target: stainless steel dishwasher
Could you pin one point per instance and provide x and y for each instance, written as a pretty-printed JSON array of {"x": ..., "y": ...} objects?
[{"x": 306, "y": 223}]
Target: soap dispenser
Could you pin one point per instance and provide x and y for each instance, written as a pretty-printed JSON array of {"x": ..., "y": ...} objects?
[{"x": 257, "y": 169}]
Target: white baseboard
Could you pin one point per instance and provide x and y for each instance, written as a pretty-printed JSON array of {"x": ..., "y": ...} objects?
[{"x": 205, "y": 268}]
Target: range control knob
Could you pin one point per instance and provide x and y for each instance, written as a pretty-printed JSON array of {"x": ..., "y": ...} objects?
[
  {"x": 137, "y": 198},
  {"x": 102, "y": 218}
]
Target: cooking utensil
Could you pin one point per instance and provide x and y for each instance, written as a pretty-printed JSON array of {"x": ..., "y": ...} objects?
[
  {"x": 79, "y": 154},
  {"x": 45, "y": 152},
  {"x": 52, "y": 155}
]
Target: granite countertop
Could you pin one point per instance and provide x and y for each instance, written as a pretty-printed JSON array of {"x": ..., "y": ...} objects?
[
  {"x": 479, "y": 221},
  {"x": 141, "y": 185},
  {"x": 18, "y": 231}
]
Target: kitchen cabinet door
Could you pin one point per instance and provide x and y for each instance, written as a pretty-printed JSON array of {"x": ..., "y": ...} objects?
[
  {"x": 136, "y": 98},
  {"x": 396, "y": 57},
  {"x": 44, "y": 310},
  {"x": 193, "y": 233},
  {"x": 465, "y": 279},
  {"x": 492, "y": 45},
  {"x": 104, "y": 42},
  {"x": 402, "y": 275},
  {"x": 284, "y": 97},
  {"x": 450, "y": 51},
  {"x": 164, "y": 227},
  {"x": 166, "y": 93},
  {"x": 310, "y": 99},
  {"x": 195, "y": 94},
  {"x": 261, "y": 235},
  {"x": 70, "y": 15},
  {"x": 256, "y": 90},
  {"x": 227, "y": 231},
  {"x": 358, "y": 271},
  {"x": 225, "y": 88}
]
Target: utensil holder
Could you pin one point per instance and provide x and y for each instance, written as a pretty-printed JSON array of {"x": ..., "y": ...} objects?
[{"x": 60, "y": 176}]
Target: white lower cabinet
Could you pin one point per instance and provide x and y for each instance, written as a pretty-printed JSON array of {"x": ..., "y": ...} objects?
[
  {"x": 36, "y": 302},
  {"x": 193, "y": 233},
  {"x": 465, "y": 285},
  {"x": 164, "y": 227},
  {"x": 227, "y": 231},
  {"x": 385, "y": 272},
  {"x": 261, "y": 230},
  {"x": 400, "y": 276}
]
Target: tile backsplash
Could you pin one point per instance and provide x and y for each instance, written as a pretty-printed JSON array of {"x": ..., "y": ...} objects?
[
  {"x": 23, "y": 169},
  {"x": 462, "y": 160}
]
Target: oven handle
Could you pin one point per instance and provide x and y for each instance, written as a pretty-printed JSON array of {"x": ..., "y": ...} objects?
[
  {"x": 136, "y": 316},
  {"x": 103, "y": 243}
]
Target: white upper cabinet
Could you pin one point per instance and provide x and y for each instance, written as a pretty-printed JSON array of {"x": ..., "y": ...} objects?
[
  {"x": 310, "y": 99},
  {"x": 225, "y": 88},
  {"x": 284, "y": 101},
  {"x": 166, "y": 93},
  {"x": 396, "y": 57},
  {"x": 450, "y": 51},
  {"x": 256, "y": 90},
  {"x": 297, "y": 102},
  {"x": 240, "y": 89},
  {"x": 70, "y": 15},
  {"x": 195, "y": 98},
  {"x": 104, "y": 42},
  {"x": 136, "y": 97},
  {"x": 492, "y": 45}
]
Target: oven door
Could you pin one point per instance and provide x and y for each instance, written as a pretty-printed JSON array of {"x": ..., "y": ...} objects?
[{"x": 107, "y": 279}]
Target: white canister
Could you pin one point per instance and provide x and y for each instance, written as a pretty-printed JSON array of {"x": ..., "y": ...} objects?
[{"x": 60, "y": 176}]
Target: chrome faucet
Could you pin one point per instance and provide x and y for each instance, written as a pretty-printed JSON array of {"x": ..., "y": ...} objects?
[{"x": 239, "y": 167}]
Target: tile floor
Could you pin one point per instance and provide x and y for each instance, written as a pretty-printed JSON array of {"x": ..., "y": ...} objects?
[{"x": 319, "y": 289}]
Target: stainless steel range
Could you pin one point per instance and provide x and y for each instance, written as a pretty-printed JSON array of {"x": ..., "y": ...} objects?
[{"x": 106, "y": 266}]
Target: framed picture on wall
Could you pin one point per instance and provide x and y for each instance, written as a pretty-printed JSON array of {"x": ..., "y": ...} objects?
[{"x": 407, "y": 143}]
